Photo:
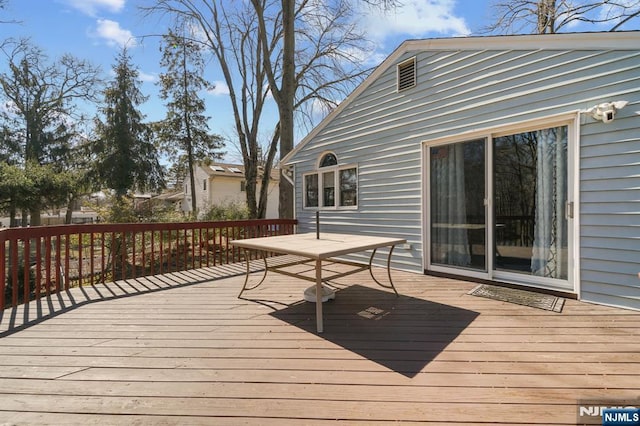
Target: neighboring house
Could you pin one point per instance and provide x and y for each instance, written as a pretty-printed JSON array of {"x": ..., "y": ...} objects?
[
  {"x": 169, "y": 199},
  {"x": 224, "y": 184},
  {"x": 489, "y": 156}
]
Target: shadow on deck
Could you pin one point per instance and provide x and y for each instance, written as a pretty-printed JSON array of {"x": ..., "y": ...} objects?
[
  {"x": 383, "y": 328},
  {"x": 36, "y": 311}
]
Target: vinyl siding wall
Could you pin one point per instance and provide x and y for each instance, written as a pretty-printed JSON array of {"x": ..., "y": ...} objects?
[
  {"x": 610, "y": 208},
  {"x": 462, "y": 91}
]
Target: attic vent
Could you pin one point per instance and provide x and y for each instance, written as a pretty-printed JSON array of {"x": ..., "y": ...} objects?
[{"x": 407, "y": 74}]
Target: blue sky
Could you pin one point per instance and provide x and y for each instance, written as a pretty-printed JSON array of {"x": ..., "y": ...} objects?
[{"x": 96, "y": 29}]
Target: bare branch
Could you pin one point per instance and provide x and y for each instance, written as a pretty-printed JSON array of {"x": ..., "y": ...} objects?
[
  {"x": 552, "y": 16},
  {"x": 248, "y": 41}
]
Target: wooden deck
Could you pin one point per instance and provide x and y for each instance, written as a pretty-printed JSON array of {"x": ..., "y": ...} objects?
[{"x": 183, "y": 349}]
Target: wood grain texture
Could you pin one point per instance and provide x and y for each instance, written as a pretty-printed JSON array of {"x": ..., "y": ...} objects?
[{"x": 183, "y": 349}]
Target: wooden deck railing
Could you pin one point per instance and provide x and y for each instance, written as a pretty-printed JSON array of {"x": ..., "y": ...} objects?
[{"x": 40, "y": 261}]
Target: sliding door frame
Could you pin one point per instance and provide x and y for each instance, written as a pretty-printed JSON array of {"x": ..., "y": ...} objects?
[{"x": 572, "y": 121}]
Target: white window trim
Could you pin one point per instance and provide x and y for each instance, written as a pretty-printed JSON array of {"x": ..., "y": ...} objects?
[
  {"x": 304, "y": 192},
  {"x": 336, "y": 177}
]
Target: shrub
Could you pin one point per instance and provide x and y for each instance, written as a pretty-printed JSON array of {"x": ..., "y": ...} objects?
[{"x": 227, "y": 211}]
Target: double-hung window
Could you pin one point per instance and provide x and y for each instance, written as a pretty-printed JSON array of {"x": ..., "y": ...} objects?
[{"x": 332, "y": 186}]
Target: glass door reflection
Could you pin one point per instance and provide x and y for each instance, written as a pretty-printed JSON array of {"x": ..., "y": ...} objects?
[
  {"x": 458, "y": 216},
  {"x": 530, "y": 196}
]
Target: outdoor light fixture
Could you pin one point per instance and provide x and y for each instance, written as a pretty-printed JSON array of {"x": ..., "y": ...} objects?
[{"x": 606, "y": 111}]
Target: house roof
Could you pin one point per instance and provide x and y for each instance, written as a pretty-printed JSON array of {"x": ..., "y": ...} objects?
[
  {"x": 233, "y": 170},
  {"x": 170, "y": 196},
  {"x": 623, "y": 40}
]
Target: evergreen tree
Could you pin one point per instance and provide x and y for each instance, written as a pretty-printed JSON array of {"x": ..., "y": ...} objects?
[
  {"x": 185, "y": 122},
  {"x": 126, "y": 158}
]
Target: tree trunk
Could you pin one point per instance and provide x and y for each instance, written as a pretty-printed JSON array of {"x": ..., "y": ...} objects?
[
  {"x": 35, "y": 216},
  {"x": 264, "y": 194},
  {"x": 546, "y": 16},
  {"x": 187, "y": 126},
  {"x": 69, "y": 214},
  {"x": 250, "y": 187},
  {"x": 192, "y": 181},
  {"x": 286, "y": 105},
  {"x": 13, "y": 211}
]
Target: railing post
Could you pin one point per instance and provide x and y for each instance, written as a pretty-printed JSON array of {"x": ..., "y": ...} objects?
[
  {"x": 58, "y": 266},
  {"x": 123, "y": 258},
  {"x": 91, "y": 260},
  {"x": 152, "y": 261},
  {"x": 38, "y": 283},
  {"x": 14, "y": 272},
  {"x": 160, "y": 250},
  {"x": 80, "y": 259},
  {"x": 133, "y": 254},
  {"x": 3, "y": 268},
  {"x": 67, "y": 255},
  {"x": 144, "y": 251},
  {"x": 26, "y": 279}
]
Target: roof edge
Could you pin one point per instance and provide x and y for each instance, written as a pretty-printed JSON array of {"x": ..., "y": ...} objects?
[{"x": 619, "y": 40}]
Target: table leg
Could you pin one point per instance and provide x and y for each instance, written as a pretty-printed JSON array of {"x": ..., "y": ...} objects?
[
  {"x": 391, "y": 286},
  {"x": 248, "y": 272},
  {"x": 319, "y": 295}
]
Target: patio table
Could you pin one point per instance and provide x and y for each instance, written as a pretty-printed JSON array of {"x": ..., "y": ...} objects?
[{"x": 319, "y": 247}]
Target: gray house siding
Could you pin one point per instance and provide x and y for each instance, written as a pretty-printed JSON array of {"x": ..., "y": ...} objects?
[
  {"x": 486, "y": 85},
  {"x": 610, "y": 207}
]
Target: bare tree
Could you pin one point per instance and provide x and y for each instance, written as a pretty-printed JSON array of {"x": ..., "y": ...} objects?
[
  {"x": 229, "y": 36},
  {"x": 326, "y": 29},
  {"x": 249, "y": 43},
  {"x": 552, "y": 16},
  {"x": 284, "y": 95},
  {"x": 42, "y": 112}
]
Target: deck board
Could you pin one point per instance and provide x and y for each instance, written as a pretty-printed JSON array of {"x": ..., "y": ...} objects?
[{"x": 181, "y": 348}]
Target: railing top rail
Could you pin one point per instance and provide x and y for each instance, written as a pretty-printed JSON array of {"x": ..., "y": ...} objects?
[{"x": 7, "y": 234}]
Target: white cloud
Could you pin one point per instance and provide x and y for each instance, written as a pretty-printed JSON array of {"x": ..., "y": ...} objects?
[
  {"x": 148, "y": 77},
  {"x": 320, "y": 110},
  {"x": 113, "y": 34},
  {"x": 415, "y": 18},
  {"x": 267, "y": 90},
  {"x": 92, "y": 7},
  {"x": 219, "y": 88},
  {"x": 365, "y": 56},
  {"x": 612, "y": 14}
]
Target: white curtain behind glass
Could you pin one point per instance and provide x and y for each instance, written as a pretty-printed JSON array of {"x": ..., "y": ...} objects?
[
  {"x": 550, "y": 233},
  {"x": 449, "y": 206}
]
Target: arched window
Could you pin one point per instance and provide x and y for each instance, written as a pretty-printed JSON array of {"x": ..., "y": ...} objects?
[
  {"x": 329, "y": 160},
  {"x": 332, "y": 185}
]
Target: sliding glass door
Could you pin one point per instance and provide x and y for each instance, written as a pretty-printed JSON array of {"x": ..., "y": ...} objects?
[
  {"x": 498, "y": 206},
  {"x": 458, "y": 218},
  {"x": 530, "y": 197}
]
